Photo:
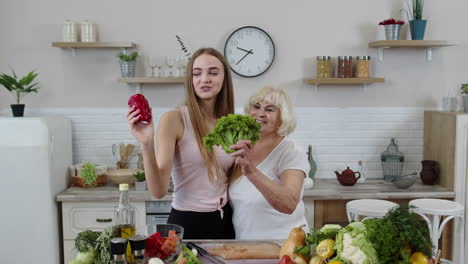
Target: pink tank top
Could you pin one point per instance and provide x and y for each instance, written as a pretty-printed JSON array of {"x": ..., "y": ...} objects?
[{"x": 193, "y": 191}]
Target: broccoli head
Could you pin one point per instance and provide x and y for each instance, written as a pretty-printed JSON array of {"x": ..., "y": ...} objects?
[{"x": 230, "y": 129}]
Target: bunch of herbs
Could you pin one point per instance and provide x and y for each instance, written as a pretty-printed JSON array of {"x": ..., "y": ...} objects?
[{"x": 127, "y": 57}]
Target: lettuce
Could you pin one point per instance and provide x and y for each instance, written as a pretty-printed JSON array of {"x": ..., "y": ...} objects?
[{"x": 353, "y": 246}]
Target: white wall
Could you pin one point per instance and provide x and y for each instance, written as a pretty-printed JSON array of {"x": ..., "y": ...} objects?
[
  {"x": 301, "y": 30},
  {"x": 343, "y": 123}
]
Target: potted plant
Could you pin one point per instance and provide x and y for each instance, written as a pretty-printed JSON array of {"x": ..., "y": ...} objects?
[
  {"x": 417, "y": 24},
  {"x": 464, "y": 91},
  {"x": 20, "y": 86},
  {"x": 127, "y": 63},
  {"x": 392, "y": 28},
  {"x": 140, "y": 183}
]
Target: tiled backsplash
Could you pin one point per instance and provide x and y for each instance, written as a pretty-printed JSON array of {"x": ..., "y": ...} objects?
[{"x": 339, "y": 136}]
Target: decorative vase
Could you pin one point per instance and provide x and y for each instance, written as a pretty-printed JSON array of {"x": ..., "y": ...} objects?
[
  {"x": 313, "y": 165},
  {"x": 417, "y": 28},
  {"x": 17, "y": 109},
  {"x": 140, "y": 186},
  {"x": 430, "y": 172},
  {"x": 392, "y": 162},
  {"x": 465, "y": 103},
  {"x": 392, "y": 31},
  {"x": 127, "y": 69}
]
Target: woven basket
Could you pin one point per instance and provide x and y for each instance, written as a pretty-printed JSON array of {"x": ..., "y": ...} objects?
[{"x": 79, "y": 182}]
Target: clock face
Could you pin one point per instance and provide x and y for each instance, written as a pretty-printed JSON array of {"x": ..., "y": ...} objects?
[{"x": 249, "y": 51}]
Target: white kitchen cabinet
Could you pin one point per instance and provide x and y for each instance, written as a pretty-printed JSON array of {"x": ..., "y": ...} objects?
[{"x": 95, "y": 216}]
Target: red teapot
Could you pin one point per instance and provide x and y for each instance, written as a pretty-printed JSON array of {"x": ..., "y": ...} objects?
[{"x": 348, "y": 177}]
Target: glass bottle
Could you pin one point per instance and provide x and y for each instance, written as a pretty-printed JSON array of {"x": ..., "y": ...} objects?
[
  {"x": 324, "y": 67},
  {"x": 313, "y": 165},
  {"x": 124, "y": 218},
  {"x": 363, "y": 171}
]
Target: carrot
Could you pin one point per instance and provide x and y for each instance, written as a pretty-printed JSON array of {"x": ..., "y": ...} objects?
[
  {"x": 169, "y": 245},
  {"x": 182, "y": 261}
]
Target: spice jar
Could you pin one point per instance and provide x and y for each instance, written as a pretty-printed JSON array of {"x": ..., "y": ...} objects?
[
  {"x": 345, "y": 67},
  {"x": 323, "y": 67},
  {"x": 363, "y": 66}
]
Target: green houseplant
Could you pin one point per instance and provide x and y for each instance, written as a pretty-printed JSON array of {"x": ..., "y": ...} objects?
[
  {"x": 19, "y": 86},
  {"x": 127, "y": 63},
  {"x": 417, "y": 24},
  {"x": 464, "y": 91},
  {"x": 140, "y": 183}
]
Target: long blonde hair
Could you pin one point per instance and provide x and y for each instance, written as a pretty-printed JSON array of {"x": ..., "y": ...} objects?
[{"x": 224, "y": 105}]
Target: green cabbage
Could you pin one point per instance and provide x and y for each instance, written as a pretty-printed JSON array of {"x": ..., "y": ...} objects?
[{"x": 353, "y": 247}]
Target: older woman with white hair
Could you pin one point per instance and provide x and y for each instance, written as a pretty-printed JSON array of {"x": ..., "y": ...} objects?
[{"x": 266, "y": 191}]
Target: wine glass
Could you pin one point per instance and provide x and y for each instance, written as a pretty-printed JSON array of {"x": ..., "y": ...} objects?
[
  {"x": 170, "y": 61},
  {"x": 180, "y": 65},
  {"x": 184, "y": 63},
  {"x": 155, "y": 63}
]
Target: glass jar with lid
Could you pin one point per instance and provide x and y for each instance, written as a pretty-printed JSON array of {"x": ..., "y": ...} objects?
[
  {"x": 324, "y": 67},
  {"x": 363, "y": 66},
  {"x": 345, "y": 67}
]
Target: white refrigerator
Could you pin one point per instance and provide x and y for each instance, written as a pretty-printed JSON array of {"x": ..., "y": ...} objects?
[{"x": 34, "y": 155}]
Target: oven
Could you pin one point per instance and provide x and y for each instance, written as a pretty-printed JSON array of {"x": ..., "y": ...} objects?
[{"x": 157, "y": 212}]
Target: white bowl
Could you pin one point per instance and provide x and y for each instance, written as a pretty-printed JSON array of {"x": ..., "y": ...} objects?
[{"x": 119, "y": 176}]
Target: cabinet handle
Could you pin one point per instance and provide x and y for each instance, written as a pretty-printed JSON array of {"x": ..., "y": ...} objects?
[{"x": 103, "y": 220}]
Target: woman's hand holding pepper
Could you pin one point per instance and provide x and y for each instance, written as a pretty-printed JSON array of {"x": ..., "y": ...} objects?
[{"x": 144, "y": 133}]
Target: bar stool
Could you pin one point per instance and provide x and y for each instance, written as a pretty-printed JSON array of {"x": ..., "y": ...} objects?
[
  {"x": 368, "y": 208},
  {"x": 432, "y": 210}
]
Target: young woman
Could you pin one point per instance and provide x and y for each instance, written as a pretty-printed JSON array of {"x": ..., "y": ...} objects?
[
  {"x": 267, "y": 198},
  {"x": 200, "y": 202}
]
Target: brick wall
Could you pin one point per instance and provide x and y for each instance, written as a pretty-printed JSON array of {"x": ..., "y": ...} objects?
[{"x": 339, "y": 136}]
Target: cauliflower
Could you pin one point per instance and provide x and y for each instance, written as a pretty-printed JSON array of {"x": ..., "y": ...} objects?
[{"x": 353, "y": 247}]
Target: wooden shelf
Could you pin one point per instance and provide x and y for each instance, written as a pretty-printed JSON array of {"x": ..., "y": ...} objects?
[
  {"x": 73, "y": 45},
  {"x": 162, "y": 80},
  {"x": 344, "y": 80},
  {"x": 411, "y": 43},
  {"x": 420, "y": 44}
]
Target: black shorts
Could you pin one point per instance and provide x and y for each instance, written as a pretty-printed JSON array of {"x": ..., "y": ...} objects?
[{"x": 204, "y": 225}]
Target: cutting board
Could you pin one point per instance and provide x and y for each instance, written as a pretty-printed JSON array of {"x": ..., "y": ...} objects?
[
  {"x": 246, "y": 251},
  {"x": 272, "y": 247}
]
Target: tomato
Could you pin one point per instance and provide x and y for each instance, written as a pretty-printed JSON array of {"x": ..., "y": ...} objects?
[
  {"x": 419, "y": 258},
  {"x": 286, "y": 260}
]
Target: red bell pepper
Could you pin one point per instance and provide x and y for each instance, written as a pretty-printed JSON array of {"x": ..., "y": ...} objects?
[{"x": 140, "y": 102}]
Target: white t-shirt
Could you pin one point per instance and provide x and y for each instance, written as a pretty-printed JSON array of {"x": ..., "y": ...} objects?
[{"x": 253, "y": 216}]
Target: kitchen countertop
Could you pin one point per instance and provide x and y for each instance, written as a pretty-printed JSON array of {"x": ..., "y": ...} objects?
[{"x": 324, "y": 189}]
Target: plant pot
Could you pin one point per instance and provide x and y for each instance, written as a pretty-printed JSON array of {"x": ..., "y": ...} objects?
[
  {"x": 17, "y": 109},
  {"x": 392, "y": 32},
  {"x": 417, "y": 28},
  {"x": 140, "y": 186},
  {"x": 465, "y": 103},
  {"x": 127, "y": 69}
]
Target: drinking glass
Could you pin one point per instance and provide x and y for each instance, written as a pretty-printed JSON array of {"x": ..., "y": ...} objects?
[
  {"x": 155, "y": 63},
  {"x": 170, "y": 61}
]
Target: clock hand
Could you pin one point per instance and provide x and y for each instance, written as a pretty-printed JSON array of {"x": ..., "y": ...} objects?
[{"x": 250, "y": 51}]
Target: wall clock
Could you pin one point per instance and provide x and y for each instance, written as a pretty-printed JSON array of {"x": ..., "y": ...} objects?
[{"x": 250, "y": 51}]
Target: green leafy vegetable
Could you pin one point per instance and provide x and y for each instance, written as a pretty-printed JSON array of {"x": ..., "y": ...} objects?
[
  {"x": 230, "y": 129},
  {"x": 316, "y": 236},
  {"x": 85, "y": 240},
  {"x": 397, "y": 235},
  {"x": 103, "y": 245}
]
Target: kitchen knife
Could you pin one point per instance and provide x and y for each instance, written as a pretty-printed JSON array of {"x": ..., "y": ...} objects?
[{"x": 204, "y": 253}]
